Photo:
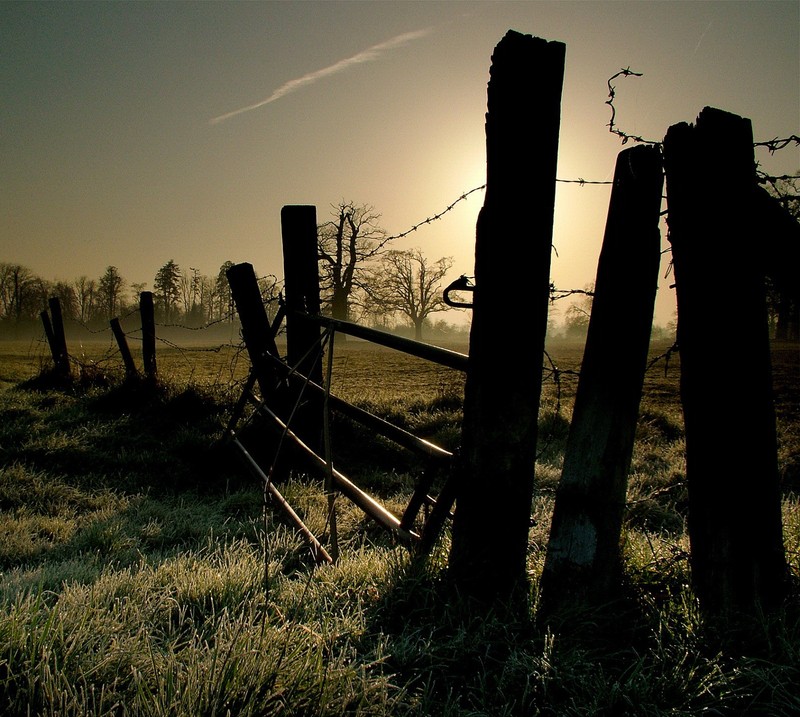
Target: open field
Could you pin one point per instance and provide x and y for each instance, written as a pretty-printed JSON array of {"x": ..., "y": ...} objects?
[{"x": 141, "y": 575}]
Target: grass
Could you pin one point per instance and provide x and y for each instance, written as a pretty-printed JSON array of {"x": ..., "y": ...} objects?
[{"x": 139, "y": 574}]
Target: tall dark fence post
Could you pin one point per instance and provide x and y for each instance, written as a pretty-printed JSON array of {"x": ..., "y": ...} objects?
[
  {"x": 301, "y": 290},
  {"x": 583, "y": 563},
  {"x": 147, "y": 313},
  {"x": 124, "y": 349},
  {"x": 512, "y": 273},
  {"x": 737, "y": 552},
  {"x": 256, "y": 330}
]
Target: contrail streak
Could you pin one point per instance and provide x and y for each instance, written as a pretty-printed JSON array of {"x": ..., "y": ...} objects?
[
  {"x": 702, "y": 37},
  {"x": 368, "y": 55}
]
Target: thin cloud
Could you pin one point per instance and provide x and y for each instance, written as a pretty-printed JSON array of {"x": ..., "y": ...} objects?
[{"x": 368, "y": 55}]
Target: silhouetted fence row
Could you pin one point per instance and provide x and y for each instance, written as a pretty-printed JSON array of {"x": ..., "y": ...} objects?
[
  {"x": 491, "y": 482},
  {"x": 731, "y": 447},
  {"x": 56, "y": 338}
]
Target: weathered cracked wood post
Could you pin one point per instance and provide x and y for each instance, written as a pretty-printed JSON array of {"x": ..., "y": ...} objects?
[
  {"x": 583, "y": 564},
  {"x": 148, "y": 319},
  {"x": 737, "y": 553},
  {"x": 301, "y": 292},
  {"x": 512, "y": 276}
]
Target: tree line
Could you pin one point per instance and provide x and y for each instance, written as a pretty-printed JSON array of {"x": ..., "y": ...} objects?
[
  {"x": 361, "y": 278},
  {"x": 189, "y": 297}
]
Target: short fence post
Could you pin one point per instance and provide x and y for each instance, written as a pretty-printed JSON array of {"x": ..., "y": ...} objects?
[
  {"x": 583, "y": 564},
  {"x": 512, "y": 286},
  {"x": 301, "y": 292},
  {"x": 56, "y": 337},
  {"x": 256, "y": 330},
  {"x": 48, "y": 332},
  {"x": 147, "y": 313},
  {"x": 125, "y": 352},
  {"x": 737, "y": 553}
]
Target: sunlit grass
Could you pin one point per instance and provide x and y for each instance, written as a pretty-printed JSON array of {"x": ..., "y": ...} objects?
[{"x": 140, "y": 574}]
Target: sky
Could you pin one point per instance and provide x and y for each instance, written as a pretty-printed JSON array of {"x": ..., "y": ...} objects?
[{"x": 133, "y": 133}]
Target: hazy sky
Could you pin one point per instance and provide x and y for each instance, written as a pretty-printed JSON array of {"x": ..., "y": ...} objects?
[{"x": 133, "y": 133}]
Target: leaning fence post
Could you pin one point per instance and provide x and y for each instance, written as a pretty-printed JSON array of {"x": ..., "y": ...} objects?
[
  {"x": 56, "y": 337},
  {"x": 512, "y": 285},
  {"x": 147, "y": 313},
  {"x": 256, "y": 329},
  {"x": 737, "y": 553},
  {"x": 124, "y": 350},
  {"x": 301, "y": 290},
  {"x": 583, "y": 562},
  {"x": 48, "y": 332}
]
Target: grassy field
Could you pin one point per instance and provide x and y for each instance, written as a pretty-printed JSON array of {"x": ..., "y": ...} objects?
[{"x": 141, "y": 575}]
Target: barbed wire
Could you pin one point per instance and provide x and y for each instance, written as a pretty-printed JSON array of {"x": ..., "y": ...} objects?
[
  {"x": 772, "y": 145},
  {"x": 612, "y": 95},
  {"x": 433, "y": 218},
  {"x": 556, "y": 294}
]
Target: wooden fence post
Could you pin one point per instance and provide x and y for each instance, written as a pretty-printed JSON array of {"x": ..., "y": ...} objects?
[
  {"x": 301, "y": 292},
  {"x": 582, "y": 568},
  {"x": 48, "y": 332},
  {"x": 124, "y": 349},
  {"x": 737, "y": 553},
  {"x": 256, "y": 329},
  {"x": 56, "y": 337},
  {"x": 512, "y": 288},
  {"x": 147, "y": 313}
]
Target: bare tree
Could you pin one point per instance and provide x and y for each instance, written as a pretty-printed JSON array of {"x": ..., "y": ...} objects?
[
  {"x": 12, "y": 278},
  {"x": 577, "y": 315},
  {"x": 345, "y": 244},
  {"x": 406, "y": 283},
  {"x": 67, "y": 297},
  {"x": 21, "y": 292},
  {"x": 85, "y": 295}
]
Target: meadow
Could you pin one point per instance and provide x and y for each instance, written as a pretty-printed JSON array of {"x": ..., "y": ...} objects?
[{"x": 141, "y": 572}]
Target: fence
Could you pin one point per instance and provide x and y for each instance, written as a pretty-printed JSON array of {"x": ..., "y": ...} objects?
[
  {"x": 491, "y": 483},
  {"x": 284, "y": 385},
  {"x": 56, "y": 338}
]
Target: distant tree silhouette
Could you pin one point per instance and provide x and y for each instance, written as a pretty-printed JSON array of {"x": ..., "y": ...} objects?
[
  {"x": 167, "y": 290},
  {"x": 577, "y": 315},
  {"x": 783, "y": 296},
  {"x": 67, "y": 297},
  {"x": 109, "y": 292},
  {"x": 18, "y": 292},
  {"x": 405, "y": 282},
  {"x": 222, "y": 298},
  {"x": 345, "y": 244},
  {"x": 85, "y": 295}
]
